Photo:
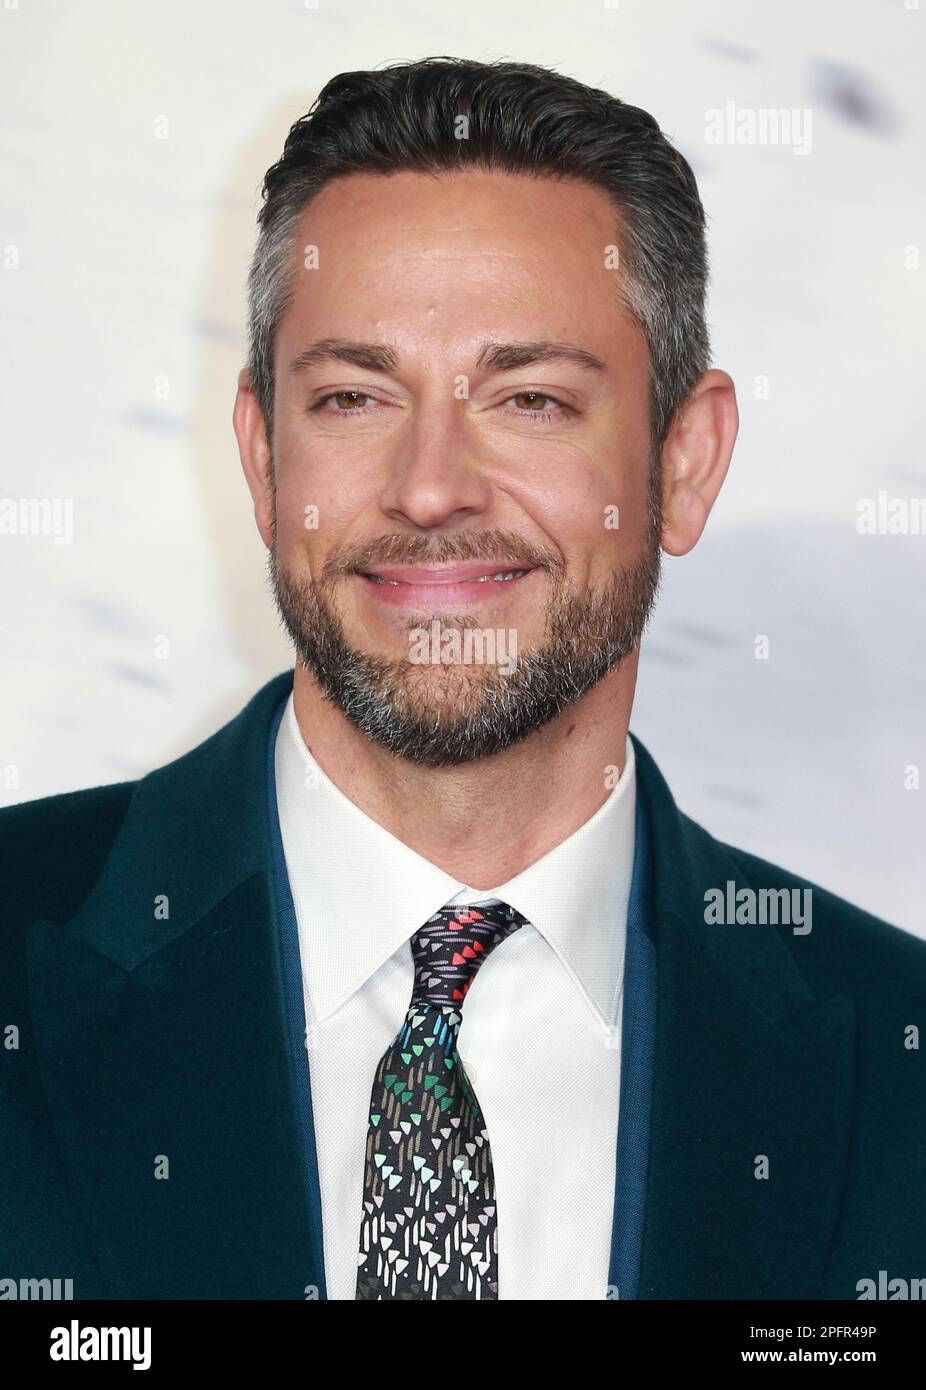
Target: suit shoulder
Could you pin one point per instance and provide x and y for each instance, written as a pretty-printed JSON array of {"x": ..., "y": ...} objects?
[
  {"x": 845, "y": 944},
  {"x": 52, "y": 849}
]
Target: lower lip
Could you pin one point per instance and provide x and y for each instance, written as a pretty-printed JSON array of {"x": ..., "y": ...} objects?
[{"x": 424, "y": 594}]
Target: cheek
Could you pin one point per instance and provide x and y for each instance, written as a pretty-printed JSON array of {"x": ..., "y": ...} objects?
[
  {"x": 297, "y": 510},
  {"x": 618, "y": 490},
  {"x": 593, "y": 499},
  {"x": 314, "y": 510},
  {"x": 600, "y": 519}
]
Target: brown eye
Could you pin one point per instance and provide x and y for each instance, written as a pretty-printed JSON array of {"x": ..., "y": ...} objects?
[
  {"x": 348, "y": 401},
  {"x": 540, "y": 406}
]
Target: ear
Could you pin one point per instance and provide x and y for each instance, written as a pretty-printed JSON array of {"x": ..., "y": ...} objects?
[
  {"x": 695, "y": 457},
  {"x": 254, "y": 450}
]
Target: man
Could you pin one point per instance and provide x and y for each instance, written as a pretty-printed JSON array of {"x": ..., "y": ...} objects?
[{"x": 412, "y": 982}]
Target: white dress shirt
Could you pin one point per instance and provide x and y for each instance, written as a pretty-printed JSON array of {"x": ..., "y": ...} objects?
[{"x": 540, "y": 1031}]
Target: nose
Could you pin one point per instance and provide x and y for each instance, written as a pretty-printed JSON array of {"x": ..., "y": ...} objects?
[{"x": 434, "y": 475}]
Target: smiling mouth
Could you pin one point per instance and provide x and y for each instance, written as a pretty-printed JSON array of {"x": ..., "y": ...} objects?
[{"x": 435, "y": 579}]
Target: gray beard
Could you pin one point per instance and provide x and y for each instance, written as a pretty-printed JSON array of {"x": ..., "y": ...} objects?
[{"x": 442, "y": 716}]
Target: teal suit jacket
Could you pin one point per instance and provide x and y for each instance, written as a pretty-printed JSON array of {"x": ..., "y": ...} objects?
[{"x": 144, "y": 1024}]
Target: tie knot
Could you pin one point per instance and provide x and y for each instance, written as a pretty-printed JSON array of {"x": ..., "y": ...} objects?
[{"x": 451, "y": 946}]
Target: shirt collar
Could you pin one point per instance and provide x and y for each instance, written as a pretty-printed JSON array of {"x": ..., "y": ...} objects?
[{"x": 360, "y": 893}]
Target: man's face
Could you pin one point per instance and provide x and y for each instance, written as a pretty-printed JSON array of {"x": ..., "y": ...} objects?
[{"x": 450, "y": 449}]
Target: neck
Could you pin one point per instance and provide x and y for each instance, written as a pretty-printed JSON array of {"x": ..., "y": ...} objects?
[{"x": 486, "y": 821}]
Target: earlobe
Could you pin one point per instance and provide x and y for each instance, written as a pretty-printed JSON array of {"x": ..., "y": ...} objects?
[
  {"x": 684, "y": 516},
  {"x": 695, "y": 458}
]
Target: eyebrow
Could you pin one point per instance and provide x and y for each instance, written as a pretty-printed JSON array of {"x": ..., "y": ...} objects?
[{"x": 379, "y": 357}]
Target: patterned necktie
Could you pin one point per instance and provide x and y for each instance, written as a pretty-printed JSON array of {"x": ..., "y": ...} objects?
[{"x": 428, "y": 1227}]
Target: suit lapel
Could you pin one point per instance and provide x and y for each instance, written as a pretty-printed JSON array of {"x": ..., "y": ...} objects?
[
  {"x": 747, "y": 1063},
  {"x": 162, "y": 1037},
  {"x": 638, "y": 1027}
]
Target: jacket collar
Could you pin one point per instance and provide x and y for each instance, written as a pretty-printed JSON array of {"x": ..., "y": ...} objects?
[
  {"x": 345, "y": 866},
  {"x": 160, "y": 1026}
]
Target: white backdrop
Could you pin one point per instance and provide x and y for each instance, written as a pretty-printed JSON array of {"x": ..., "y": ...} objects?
[{"x": 134, "y": 137}]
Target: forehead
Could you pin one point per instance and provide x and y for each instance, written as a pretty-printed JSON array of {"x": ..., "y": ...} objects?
[
  {"x": 379, "y": 248},
  {"x": 464, "y": 202}
]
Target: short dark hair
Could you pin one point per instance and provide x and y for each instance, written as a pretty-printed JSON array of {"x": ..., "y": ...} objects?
[{"x": 517, "y": 118}]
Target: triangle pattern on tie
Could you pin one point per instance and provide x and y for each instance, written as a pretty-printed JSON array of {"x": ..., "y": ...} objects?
[{"x": 428, "y": 1228}]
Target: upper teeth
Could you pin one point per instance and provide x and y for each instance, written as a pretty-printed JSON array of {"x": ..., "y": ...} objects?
[{"x": 477, "y": 579}]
